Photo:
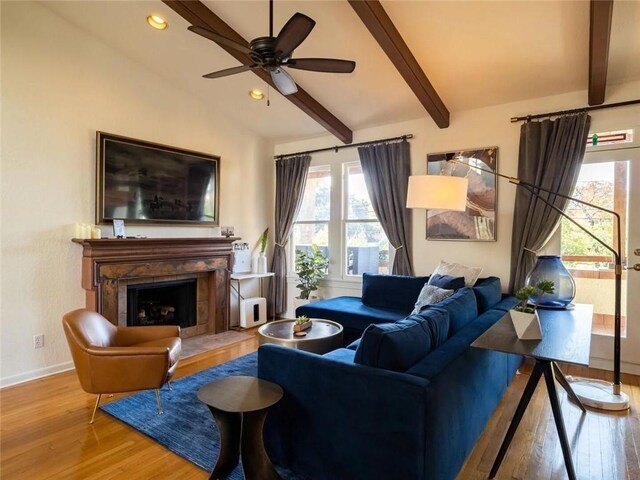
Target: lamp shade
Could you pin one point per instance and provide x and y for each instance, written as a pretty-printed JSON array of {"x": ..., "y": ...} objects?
[{"x": 437, "y": 192}]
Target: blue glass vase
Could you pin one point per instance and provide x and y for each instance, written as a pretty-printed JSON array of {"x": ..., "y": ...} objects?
[{"x": 550, "y": 267}]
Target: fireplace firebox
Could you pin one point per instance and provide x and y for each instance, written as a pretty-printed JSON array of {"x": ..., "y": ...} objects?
[{"x": 162, "y": 303}]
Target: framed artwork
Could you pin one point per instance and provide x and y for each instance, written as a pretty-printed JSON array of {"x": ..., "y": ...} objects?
[
  {"x": 478, "y": 222},
  {"x": 118, "y": 228}
]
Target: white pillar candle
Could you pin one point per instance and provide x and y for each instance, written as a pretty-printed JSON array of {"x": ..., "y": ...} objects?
[
  {"x": 78, "y": 231},
  {"x": 95, "y": 232}
]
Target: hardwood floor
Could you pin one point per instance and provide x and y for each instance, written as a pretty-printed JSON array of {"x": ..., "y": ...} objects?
[{"x": 45, "y": 434}]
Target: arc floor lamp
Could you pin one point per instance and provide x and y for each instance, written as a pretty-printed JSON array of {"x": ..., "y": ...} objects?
[{"x": 450, "y": 193}]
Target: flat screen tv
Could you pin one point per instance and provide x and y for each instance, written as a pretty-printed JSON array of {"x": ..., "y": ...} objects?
[{"x": 144, "y": 182}]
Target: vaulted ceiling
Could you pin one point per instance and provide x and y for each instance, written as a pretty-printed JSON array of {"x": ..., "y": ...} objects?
[{"x": 474, "y": 53}]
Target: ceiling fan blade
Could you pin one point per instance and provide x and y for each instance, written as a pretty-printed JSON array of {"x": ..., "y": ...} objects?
[
  {"x": 330, "y": 65},
  {"x": 229, "y": 71},
  {"x": 293, "y": 34},
  {"x": 283, "y": 81},
  {"x": 219, "y": 39}
]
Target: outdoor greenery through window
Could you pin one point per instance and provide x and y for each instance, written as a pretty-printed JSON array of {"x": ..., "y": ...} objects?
[
  {"x": 312, "y": 223},
  {"x": 605, "y": 185},
  {"x": 349, "y": 232}
]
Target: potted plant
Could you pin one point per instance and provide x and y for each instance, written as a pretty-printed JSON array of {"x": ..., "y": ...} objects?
[
  {"x": 311, "y": 267},
  {"x": 301, "y": 323},
  {"x": 524, "y": 316}
]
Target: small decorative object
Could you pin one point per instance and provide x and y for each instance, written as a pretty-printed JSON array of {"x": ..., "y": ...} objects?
[
  {"x": 300, "y": 334},
  {"x": 551, "y": 267},
  {"x": 118, "y": 228},
  {"x": 226, "y": 231},
  {"x": 241, "y": 258},
  {"x": 95, "y": 232},
  {"x": 261, "y": 266},
  {"x": 524, "y": 316},
  {"x": 478, "y": 221},
  {"x": 311, "y": 268},
  {"x": 302, "y": 323}
]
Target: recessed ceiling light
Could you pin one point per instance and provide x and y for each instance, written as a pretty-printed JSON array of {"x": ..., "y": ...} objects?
[
  {"x": 157, "y": 21},
  {"x": 256, "y": 94}
]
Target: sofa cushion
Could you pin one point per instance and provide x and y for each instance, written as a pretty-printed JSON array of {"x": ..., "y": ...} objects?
[
  {"x": 438, "y": 323},
  {"x": 448, "y": 282},
  {"x": 350, "y": 312},
  {"x": 397, "y": 292},
  {"x": 429, "y": 295},
  {"x": 397, "y": 346},
  {"x": 488, "y": 293},
  {"x": 462, "y": 308},
  {"x": 506, "y": 304},
  {"x": 470, "y": 274}
]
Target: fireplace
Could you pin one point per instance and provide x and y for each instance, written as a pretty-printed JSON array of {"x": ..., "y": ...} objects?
[
  {"x": 162, "y": 303},
  {"x": 111, "y": 266}
]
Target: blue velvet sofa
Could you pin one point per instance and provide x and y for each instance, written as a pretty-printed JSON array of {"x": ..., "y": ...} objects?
[{"x": 346, "y": 418}]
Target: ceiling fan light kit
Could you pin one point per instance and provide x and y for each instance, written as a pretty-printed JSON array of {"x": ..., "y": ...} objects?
[{"x": 271, "y": 54}]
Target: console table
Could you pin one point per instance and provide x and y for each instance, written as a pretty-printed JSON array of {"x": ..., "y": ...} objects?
[{"x": 566, "y": 337}]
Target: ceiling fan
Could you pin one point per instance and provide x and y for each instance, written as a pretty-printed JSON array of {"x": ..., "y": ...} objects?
[{"x": 272, "y": 53}]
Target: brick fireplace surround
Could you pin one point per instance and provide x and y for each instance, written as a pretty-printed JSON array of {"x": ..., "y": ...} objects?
[{"x": 109, "y": 265}]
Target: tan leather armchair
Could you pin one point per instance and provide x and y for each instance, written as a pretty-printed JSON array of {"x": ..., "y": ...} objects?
[{"x": 110, "y": 359}]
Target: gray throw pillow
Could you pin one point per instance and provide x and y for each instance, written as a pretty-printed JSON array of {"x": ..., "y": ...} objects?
[{"x": 429, "y": 295}]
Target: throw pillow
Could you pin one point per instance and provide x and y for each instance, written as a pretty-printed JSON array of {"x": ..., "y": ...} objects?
[
  {"x": 446, "y": 281},
  {"x": 470, "y": 274},
  {"x": 396, "y": 346},
  {"x": 429, "y": 295}
]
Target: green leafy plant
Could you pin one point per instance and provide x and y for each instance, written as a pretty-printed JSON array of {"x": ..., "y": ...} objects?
[
  {"x": 263, "y": 240},
  {"x": 302, "y": 319},
  {"x": 311, "y": 268},
  {"x": 536, "y": 291}
]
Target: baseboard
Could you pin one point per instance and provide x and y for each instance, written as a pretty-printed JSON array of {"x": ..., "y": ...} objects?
[
  {"x": 35, "y": 374},
  {"x": 606, "y": 364}
]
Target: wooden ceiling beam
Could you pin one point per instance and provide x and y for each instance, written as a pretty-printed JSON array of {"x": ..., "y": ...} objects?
[
  {"x": 599, "y": 36},
  {"x": 196, "y": 13},
  {"x": 386, "y": 34}
]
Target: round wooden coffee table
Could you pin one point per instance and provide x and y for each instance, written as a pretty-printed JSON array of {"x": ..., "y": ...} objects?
[
  {"x": 322, "y": 337},
  {"x": 239, "y": 405}
]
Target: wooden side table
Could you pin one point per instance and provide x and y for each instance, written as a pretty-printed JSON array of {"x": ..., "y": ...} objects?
[
  {"x": 566, "y": 337},
  {"x": 239, "y": 405}
]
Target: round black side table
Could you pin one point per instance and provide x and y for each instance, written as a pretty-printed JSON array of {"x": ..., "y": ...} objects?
[{"x": 239, "y": 405}]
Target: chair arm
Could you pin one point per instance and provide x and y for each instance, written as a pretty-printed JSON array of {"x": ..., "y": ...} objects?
[
  {"x": 127, "y": 351},
  {"x": 132, "y": 335},
  {"x": 127, "y": 369}
]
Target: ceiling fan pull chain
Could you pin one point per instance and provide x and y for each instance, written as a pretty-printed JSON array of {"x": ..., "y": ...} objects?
[{"x": 268, "y": 91}]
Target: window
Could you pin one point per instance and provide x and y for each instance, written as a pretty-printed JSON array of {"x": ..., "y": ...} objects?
[
  {"x": 338, "y": 217},
  {"x": 367, "y": 247},
  {"x": 604, "y": 184},
  {"x": 312, "y": 223}
]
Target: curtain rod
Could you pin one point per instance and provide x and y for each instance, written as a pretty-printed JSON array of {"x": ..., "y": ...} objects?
[
  {"x": 575, "y": 110},
  {"x": 340, "y": 147}
]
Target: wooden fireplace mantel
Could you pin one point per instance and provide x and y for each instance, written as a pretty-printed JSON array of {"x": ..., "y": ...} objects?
[{"x": 106, "y": 262}]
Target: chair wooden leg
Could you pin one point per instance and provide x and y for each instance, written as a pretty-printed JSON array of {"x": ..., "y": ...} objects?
[
  {"x": 95, "y": 407},
  {"x": 158, "y": 401}
]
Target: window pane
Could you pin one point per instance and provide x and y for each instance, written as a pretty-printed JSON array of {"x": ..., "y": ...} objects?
[
  {"x": 306, "y": 234},
  {"x": 358, "y": 202},
  {"x": 316, "y": 202},
  {"x": 367, "y": 248}
]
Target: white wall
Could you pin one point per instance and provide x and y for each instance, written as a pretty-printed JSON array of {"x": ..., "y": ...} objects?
[
  {"x": 60, "y": 85},
  {"x": 482, "y": 127}
]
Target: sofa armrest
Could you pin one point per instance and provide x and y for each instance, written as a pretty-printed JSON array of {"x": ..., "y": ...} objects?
[{"x": 338, "y": 417}]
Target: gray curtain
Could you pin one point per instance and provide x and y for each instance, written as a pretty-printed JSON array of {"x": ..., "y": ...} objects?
[
  {"x": 550, "y": 156},
  {"x": 386, "y": 170},
  {"x": 291, "y": 177}
]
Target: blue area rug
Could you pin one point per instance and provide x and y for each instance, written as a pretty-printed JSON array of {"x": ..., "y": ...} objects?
[{"x": 187, "y": 426}]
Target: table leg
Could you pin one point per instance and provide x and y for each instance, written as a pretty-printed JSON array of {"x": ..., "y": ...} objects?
[
  {"x": 567, "y": 386},
  {"x": 538, "y": 369},
  {"x": 255, "y": 462},
  {"x": 557, "y": 416},
  {"x": 229, "y": 426}
]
